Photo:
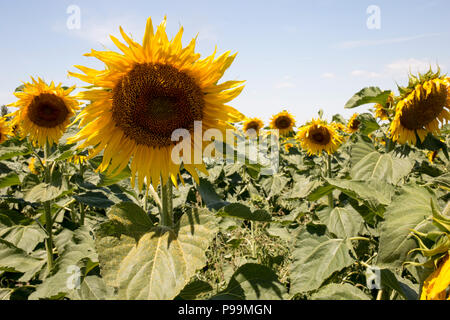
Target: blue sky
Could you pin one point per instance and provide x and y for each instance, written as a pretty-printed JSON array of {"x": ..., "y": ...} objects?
[{"x": 296, "y": 55}]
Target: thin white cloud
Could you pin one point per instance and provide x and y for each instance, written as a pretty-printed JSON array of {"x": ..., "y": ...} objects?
[
  {"x": 328, "y": 75},
  {"x": 370, "y": 43},
  {"x": 404, "y": 66},
  {"x": 365, "y": 74}
]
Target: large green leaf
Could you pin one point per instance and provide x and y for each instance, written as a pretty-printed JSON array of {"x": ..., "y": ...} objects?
[
  {"x": 360, "y": 149},
  {"x": 209, "y": 195},
  {"x": 11, "y": 152},
  {"x": 43, "y": 192},
  {"x": 342, "y": 291},
  {"x": 315, "y": 259},
  {"x": 408, "y": 211},
  {"x": 240, "y": 211},
  {"x": 24, "y": 237},
  {"x": 92, "y": 288},
  {"x": 343, "y": 222},
  {"x": 13, "y": 258},
  {"x": 10, "y": 179},
  {"x": 253, "y": 282},
  {"x": 385, "y": 167},
  {"x": 146, "y": 262},
  {"x": 368, "y": 95},
  {"x": 94, "y": 199},
  {"x": 274, "y": 185}
]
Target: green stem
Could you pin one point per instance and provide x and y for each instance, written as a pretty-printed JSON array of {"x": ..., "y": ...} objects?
[
  {"x": 82, "y": 207},
  {"x": 329, "y": 174},
  {"x": 48, "y": 214},
  {"x": 167, "y": 204}
]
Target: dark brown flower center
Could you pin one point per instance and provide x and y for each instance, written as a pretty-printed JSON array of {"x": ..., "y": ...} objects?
[
  {"x": 320, "y": 136},
  {"x": 253, "y": 125},
  {"x": 283, "y": 122},
  {"x": 355, "y": 124},
  {"x": 153, "y": 100},
  {"x": 417, "y": 113},
  {"x": 47, "y": 110}
]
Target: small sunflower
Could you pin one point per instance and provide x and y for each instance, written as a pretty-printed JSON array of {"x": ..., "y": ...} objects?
[
  {"x": 32, "y": 166},
  {"x": 353, "y": 124},
  {"x": 5, "y": 130},
  {"x": 284, "y": 122},
  {"x": 288, "y": 146},
  {"x": 253, "y": 123},
  {"x": 317, "y": 136},
  {"x": 146, "y": 93},
  {"x": 423, "y": 106},
  {"x": 436, "y": 286},
  {"x": 432, "y": 155},
  {"x": 44, "y": 111}
]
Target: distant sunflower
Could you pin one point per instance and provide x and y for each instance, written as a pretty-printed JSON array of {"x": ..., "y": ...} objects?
[
  {"x": 432, "y": 155},
  {"x": 423, "y": 107},
  {"x": 44, "y": 111},
  {"x": 284, "y": 122},
  {"x": 317, "y": 136},
  {"x": 288, "y": 146},
  {"x": 436, "y": 286},
  {"x": 353, "y": 124},
  {"x": 147, "y": 92},
  {"x": 253, "y": 123},
  {"x": 5, "y": 130}
]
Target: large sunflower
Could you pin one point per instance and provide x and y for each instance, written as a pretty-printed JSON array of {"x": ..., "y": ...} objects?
[
  {"x": 5, "y": 129},
  {"x": 317, "y": 136},
  {"x": 44, "y": 111},
  {"x": 283, "y": 121},
  {"x": 423, "y": 106},
  {"x": 255, "y": 124},
  {"x": 144, "y": 94}
]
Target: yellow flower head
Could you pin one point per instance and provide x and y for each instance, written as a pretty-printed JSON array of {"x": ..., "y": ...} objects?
[
  {"x": 44, "y": 111},
  {"x": 423, "y": 107},
  {"x": 32, "y": 166},
  {"x": 5, "y": 129},
  {"x": 144, "y": 94},
  {"x": 436, "y": 285},
  {"x": 432, "y": 155},
  {"x": 283, "y": 121},
  {"x": 353, "y": 124},
  {"x": 317, "y": 136},
  {"x": 253, "y": 123},
  {"x": 288, "y": 146}
]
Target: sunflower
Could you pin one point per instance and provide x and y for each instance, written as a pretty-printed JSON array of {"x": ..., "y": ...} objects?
[
  {"x": 432, "y": 155},
  {"x": 44, "y": 111},
  {"x": 253, "y": 123},
  {"x": 283, "y": 121},
  {"x": 5, "y": 129},
  {"x": 436, "y": 285},
  {"x": 32, "y": 165},
  {"x": 422, "y": 108},
  {"x": 317, "y": 136},
  {"x": 144, "y": 94},
  {"x": 353, "y": 124},
  {"x": 288, "y": 146}
]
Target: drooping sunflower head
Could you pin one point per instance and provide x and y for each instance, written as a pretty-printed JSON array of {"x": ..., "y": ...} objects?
[
  {"x": 423, "y": 106},
  {"x": 317, "y": 136},
  {"x": 44, "y": 111},
  {"x": 437, "y": 285},
  {"x": 5, "y": 129},
  {"x": 353, "y": 124},
  {"x": 382, "y": 112},
  {"x": 284, "y": 122},
  {"x": 255, "y": 124},
  {"x": 145, "y": 93}
]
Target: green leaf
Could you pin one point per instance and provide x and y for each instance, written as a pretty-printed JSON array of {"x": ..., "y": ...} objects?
[
  {"x": 253, "y": 282},
  {"x": 368, "y": 95},
  {"x": 343, "y": 222},
  {"x": 18, "y": 260},
  {"x": 368, "y": 123},
  {"x": 385, "y": 167},
  {"x": 10, "y": 179},
  {"x": 359, "y": 150},
  {"x": 94, "y": 199},
  {"x": 343, "y": 291},
  {"x": 315, "y": 259},
  {"x": 319, "y": 191},
  {"x": 7, "y": 153},
  {"x": 404, "y": 287},
  {"x": 240, "y": 211},
  {"x": 274, "y": 185},
  {"x": 92, "y": 288},
  {"x": 110, "y": 180},
  {"x": 43, "y": 192},
  {"x": 209, "y": 195},
  {"x": 194, "y": 289},
  {"x": 408, "y": 211},
  {"x": 161, "y": 262},
  {"x": 24, "y": 237}
]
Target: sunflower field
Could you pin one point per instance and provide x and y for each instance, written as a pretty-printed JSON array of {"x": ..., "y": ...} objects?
[{"x": 94, "y": 205}]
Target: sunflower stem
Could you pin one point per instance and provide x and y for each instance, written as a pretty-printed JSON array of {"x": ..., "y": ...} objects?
[
  {"x": 48, "y": 214},
  {"x": 82, "y": 208},
  {"x": 330, "y": 175},
  {"x": 167, "y": 204}
]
